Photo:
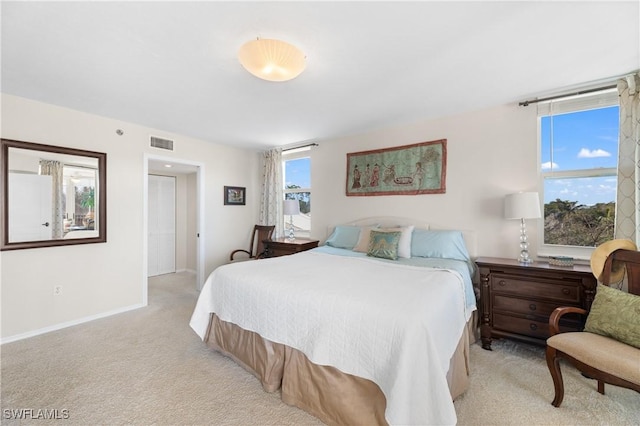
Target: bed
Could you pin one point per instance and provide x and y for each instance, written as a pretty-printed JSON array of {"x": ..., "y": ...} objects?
[{"x": 373, "y": 327}]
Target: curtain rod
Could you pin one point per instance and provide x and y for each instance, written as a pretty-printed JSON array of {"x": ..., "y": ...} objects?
[
  {"x": 301, "y": 146},
  {"x": 581, "y": 92}
]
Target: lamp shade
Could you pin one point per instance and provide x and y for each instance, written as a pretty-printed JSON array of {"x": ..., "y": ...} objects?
[
  {"x": 291, "y": 207},
  {"x": 272, "y": 60},
  {"x": 522, "y": 205}
]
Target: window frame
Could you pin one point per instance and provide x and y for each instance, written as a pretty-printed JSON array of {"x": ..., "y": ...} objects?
[
  {"x": 604, "y": 99},
  {"x": 296, "y": 154}
]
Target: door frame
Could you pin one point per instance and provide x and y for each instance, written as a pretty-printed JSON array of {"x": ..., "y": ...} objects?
[{"x": 200, "y": 210}]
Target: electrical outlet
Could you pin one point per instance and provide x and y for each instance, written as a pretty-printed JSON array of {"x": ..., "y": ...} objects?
[{"x": 57, "y": 290}]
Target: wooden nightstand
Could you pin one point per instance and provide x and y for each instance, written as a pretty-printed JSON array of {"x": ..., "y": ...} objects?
[
  {"x": 284, "y": 247},
  {"x": 516, "y": 300}
]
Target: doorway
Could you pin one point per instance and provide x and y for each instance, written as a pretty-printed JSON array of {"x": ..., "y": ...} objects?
[{"x": 189, "y": 214}]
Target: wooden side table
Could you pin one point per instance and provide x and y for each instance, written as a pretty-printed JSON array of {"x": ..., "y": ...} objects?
[
  {"x": 283, "y": 246},
  {"x": 516, "y": 299}
]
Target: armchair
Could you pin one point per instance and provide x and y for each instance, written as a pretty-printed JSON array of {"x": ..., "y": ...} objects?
[
  {"x": 256, "y": 247},
  {"x": 609, "y": 348}
]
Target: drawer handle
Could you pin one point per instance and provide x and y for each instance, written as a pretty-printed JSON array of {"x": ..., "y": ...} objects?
[
  {"x": 502, "y": 283},
  {"x": 532, "y": 306},
  {"x": 533, "y": 327},
  {"x": 566, "y": 291}
]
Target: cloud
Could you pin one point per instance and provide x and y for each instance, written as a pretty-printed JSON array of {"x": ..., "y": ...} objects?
[
  {"x": 596, "y": 153},
  {"x": 548, "y": 165}
]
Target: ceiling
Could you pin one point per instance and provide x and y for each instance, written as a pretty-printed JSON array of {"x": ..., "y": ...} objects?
[{"x": 173, "y": 66}]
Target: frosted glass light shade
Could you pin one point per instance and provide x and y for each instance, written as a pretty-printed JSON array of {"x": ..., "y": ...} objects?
[
  {"x": 272, "y": 60},
  {"x": 522, "y": 205}
]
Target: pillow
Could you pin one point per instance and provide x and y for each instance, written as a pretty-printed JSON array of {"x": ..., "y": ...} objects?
[
  {"x": 384, "y": 244},
  {"x": 363, "y": 241},
  {"x": 616, "y": 314},
  {"x": 344, "y": 236},
  {"x": 439, "y": 243},
  {"x": 404, "y": 246}
]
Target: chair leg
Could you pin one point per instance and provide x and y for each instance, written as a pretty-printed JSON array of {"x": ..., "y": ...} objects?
[
  {"x": 601, "y": 387},
  {"x": 554, "y": 368}
]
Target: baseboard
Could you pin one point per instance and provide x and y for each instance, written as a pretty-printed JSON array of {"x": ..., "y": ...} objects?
[{"x": 68, "y": 324}]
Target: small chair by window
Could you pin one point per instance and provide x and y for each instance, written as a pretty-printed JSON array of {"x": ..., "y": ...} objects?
[
  {"x": 606, "y": 351},
  {"x": 256, "y": 248}
]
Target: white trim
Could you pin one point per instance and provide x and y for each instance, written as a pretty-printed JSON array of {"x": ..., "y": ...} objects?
[
  {"x": 60, "y": 326},
  {"x": 604, "y": 99},
  {"x": 186, "y": 270}
]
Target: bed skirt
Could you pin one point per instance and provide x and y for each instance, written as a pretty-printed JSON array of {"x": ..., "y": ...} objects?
[{"x": 334, "y": 397}]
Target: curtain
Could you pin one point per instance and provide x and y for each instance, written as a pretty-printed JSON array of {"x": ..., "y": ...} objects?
[
  {"x": 628, "y": 193},
  {"x": 271, "y": 212},
  {"x": 54, "y": 169}
]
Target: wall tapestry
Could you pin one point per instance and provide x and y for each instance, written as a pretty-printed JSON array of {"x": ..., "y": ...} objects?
[{"x": 403, "y": 170}]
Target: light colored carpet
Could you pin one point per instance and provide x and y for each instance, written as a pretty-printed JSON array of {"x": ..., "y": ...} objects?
[{"x": 148, "y": 367}]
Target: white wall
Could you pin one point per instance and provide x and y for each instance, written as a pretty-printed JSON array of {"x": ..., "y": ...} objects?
[
  {"x": 99, "y": 279},
  {"x": 490, "y": 153}
]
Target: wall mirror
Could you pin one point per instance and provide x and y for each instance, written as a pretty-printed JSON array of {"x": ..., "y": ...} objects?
[{"x": 51, "y": 196}]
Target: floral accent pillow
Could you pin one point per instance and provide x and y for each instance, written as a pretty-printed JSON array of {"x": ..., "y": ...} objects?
[
  {"x": 616, "y": 314},
  {"x": 404, "y": 245},
  {"x": 384, "y": 244}
]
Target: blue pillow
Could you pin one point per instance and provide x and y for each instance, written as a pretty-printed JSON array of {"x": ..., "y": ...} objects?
[
  {"x": 344, "y": 236},
  {"x": 438, "y": 243}
]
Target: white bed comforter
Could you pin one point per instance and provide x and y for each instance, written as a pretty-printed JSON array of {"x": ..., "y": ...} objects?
[{"x": 395, "y": 325}]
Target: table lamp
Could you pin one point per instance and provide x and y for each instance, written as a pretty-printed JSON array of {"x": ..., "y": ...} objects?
[
  {"x": 522, "y": 205},
  {"x": 291, "y": 207}
]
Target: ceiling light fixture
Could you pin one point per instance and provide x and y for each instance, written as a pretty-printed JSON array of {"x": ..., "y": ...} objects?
[{"x": 272, "y": 60}]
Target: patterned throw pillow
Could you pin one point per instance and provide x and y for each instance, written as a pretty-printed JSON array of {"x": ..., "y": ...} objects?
[
  {"x": 384, "y": 244},
  {"x": 616, "y": 314}
]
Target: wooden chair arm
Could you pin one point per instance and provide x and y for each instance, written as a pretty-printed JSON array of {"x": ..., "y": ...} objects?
[
  {"x": 238, "y": 251},
  {"x": 554, "y": 319}
]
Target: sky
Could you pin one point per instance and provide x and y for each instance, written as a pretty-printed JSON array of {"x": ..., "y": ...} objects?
[
  {"x": 298, "y": 172},
  {"x": 581, "y": 140}
]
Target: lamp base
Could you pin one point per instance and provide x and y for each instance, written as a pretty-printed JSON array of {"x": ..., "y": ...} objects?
[
  {"x": 291, "y": 236},
  {"x": 525, "y": 259},
  {"x": 524, "y": 245}
]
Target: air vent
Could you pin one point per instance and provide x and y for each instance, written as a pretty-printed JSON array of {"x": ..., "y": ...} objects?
[{"x": 161, "y": 143}]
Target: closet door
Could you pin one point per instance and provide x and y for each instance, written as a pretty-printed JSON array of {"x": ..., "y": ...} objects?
[{"x": 162, "y": 225}]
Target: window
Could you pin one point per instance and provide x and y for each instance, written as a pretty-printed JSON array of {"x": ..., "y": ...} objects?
[
  {"x": 578, "y": 163},
  {"x": 78, "y": 203},
  {"x": 297, "y": 186}
]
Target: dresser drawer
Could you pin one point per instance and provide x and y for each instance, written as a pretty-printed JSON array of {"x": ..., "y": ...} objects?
[
  {"x": 534, "y": 326},
  {"x": 521, "y": 286},
  {"x": 523, "y": 306},
  {"x": 527, "y": 327}
]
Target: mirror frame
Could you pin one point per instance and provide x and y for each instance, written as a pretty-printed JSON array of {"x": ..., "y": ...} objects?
[{"x": 5, "y": 244}]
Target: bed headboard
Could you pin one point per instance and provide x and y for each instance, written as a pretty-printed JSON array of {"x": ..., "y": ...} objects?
[{"x": 470, "y": 236}]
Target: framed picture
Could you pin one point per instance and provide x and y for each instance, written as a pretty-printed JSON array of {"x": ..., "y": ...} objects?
[
  {"x": 403, "y": 170},
  {"x": 235, "y": 195}
]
